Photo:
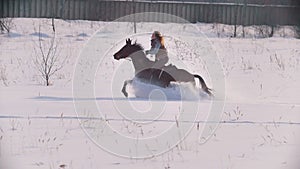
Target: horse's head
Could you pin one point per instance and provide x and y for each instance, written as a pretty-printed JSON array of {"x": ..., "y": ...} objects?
[{"x": 127, "y": 50}]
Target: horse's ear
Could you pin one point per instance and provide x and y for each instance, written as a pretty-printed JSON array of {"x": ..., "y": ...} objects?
[{"x": 128, "y": 41}]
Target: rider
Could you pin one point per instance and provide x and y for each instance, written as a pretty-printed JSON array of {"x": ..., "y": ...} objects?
[{"x": 159, "y": 50}]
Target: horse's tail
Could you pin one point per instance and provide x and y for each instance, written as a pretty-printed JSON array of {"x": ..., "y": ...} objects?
[{"x": 203, "y": 85}]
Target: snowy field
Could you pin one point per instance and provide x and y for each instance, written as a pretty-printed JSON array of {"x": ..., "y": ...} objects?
[{"x": 259, "y": 126}]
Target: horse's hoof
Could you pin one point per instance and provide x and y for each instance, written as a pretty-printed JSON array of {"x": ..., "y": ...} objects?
[{"x": 208, "y": 91}]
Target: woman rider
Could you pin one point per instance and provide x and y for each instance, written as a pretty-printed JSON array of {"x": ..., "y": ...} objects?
[{"x": 159, "y": 50}]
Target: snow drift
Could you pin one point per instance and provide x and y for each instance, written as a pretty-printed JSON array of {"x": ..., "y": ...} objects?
[{"x": 176, "y": 91}]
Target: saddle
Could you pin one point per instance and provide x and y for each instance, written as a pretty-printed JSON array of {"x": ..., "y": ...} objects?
[{"x": 170, "y": 68}]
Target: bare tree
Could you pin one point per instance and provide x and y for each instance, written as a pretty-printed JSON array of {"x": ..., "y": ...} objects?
[
  {"x": 6, "y": 24},
  {"x": 297, "y": 28},
  {"x": 53, "y": 17},
  {"x": 134, "y": 17},
  {"x": 47, "y": 60},
  {"x": 244, "y": 17},
  {"x": 264, "y": 31},
  {"x": 297, "y": 18},
  {"x": 235, "y": 20}
]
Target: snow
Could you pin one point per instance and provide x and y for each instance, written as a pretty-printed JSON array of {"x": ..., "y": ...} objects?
[
  {"x": 258, "y": 128},
  {"x": 183, "y": 91}
]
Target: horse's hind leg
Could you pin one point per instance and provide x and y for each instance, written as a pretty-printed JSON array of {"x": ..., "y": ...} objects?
[{"x": 124, "y": 87}]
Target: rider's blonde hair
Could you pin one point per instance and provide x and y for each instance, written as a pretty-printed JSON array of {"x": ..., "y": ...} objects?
[{"x": 158, "y": 35}]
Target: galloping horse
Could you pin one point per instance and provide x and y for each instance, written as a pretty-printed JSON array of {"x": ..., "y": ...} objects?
[{"x": 145, "y": 69}]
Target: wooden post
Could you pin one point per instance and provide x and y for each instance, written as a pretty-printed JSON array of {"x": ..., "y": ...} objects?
[{"x": 133, "y": 13}]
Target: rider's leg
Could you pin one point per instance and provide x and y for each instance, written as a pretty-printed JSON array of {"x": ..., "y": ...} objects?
[{"x": 159, "y": 64}]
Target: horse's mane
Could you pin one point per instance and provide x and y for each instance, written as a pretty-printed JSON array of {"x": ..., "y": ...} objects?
[{"x": 138, "y": 46}]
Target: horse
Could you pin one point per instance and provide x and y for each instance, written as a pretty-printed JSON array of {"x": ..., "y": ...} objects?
[{"x": 146, "y": 72}]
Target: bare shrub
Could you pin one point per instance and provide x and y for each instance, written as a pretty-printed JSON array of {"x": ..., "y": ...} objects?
[
  {"x": 3, "y": 75},
  {"x": 278, "y": 62},
  {"x": 47, "y": 60},
  {"x": 6, "y": 24},
  {"x": 264, "y": 31},
  {"x": 297, "y": 29}
]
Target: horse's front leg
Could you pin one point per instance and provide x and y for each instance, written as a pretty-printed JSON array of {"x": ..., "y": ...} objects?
[{"x": 124, "y": 87}]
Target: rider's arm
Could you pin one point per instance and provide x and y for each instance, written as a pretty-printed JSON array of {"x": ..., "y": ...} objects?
[{"x": 154, "y": 50}]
